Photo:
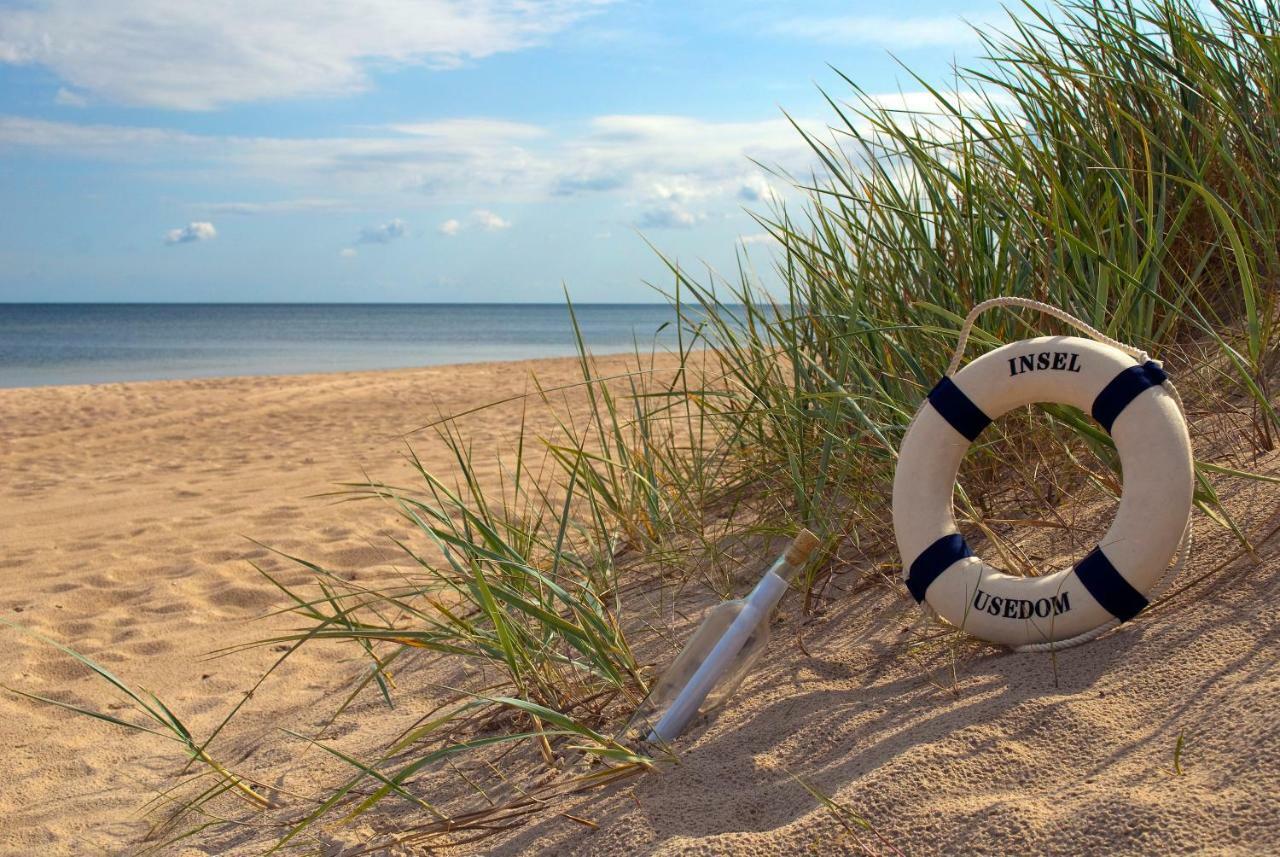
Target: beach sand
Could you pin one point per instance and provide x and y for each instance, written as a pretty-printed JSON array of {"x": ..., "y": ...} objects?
[
  {"x": 125, "y": 517},
  {"x": 126, "y": 513}
]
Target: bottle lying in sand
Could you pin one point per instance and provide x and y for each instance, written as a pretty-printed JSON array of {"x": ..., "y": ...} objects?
[{"x": 722, "y": 651}]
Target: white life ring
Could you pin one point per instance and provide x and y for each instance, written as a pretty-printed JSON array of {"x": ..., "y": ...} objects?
[{"x": 1130, "y": 400}]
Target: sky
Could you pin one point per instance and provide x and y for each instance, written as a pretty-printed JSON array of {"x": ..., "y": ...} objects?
[{"x": 421, "y": 150}]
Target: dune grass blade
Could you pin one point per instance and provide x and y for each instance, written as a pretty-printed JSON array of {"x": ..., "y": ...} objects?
[{"x": 167, "y": 724}]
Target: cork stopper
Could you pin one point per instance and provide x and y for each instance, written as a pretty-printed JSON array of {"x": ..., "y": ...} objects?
[{"x": 804, "y": 544}]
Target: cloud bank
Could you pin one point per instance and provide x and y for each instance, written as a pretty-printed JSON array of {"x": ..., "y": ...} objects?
[
  {"x": 199, "y": 56},
  {"x": 647, "y": 158},
  {"x": 663, "y": 172}
]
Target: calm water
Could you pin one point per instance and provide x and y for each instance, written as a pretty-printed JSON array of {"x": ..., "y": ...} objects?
[{"x": 94, "y": 343}]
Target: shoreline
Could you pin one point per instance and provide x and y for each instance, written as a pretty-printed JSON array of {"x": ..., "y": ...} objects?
[
  {"x": 298, "y": 376},
  {"x": 80, "y": 344}
]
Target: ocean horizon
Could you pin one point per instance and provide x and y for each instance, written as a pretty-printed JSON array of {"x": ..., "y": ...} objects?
[{"x": 44, "y": 344}]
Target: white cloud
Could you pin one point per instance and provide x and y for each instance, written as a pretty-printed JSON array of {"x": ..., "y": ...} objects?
[
  {"x": 384, "y": 233},
  {"x": 676, "y": 168},
  {"x": 759, "y": 238},
  {"x": 884, "y": 30},
  {"x": 927, "y": 103},
  {"x": 677, "y": 157},
  {"x": 756, "y": 188},
  {"x": 678, "y": 188},
  {"x": 66, "y": 98},
  {"x": 347, "y": 252},
  {"x": 197, "y": 56},
  {"x": 481, "y": 218},
  {"x": 489, "y": 221},
  {"x": 669, "y": 216},
  {"x": 197, "y": 230}
]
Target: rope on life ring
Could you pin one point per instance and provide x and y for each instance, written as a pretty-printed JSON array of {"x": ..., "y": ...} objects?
[{"x": 1133, "y": 399}]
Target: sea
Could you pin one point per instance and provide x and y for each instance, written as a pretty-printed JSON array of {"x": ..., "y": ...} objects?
[{"x": 43, "y": 344}]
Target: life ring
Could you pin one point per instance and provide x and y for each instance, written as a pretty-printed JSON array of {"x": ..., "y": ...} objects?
[{"x": 1131, "y": 401}]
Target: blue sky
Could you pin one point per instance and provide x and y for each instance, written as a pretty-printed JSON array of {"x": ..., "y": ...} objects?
[{"x": 417, "y": 150}]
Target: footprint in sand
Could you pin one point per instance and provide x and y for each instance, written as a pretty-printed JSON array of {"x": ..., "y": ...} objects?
[
  {"x": 166, "y": 608},
  {"x": 98, "y": 580},
  {"x": 277, "y": 515},
  {"x": 59, "y": 670},
  {"x": 243, "y": 597},
  {"x": 364, "y": 557},
  {"x": 150, "y": 648}
]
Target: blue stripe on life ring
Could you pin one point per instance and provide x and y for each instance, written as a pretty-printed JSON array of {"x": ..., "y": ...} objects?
[
  {"x": 958, "y": 409},
  {"x": 934, "y": 560},
  {"x": 1123, "y": 389},
  {"x": 1108, "y": 587}
]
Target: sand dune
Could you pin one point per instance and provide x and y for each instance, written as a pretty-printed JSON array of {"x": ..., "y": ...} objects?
[
  {"x": 123, "y": 516},
  {"x": 1008, "y": 754}
]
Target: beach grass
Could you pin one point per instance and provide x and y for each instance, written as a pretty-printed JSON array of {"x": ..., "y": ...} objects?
[{"x": 1116, "y": 160}]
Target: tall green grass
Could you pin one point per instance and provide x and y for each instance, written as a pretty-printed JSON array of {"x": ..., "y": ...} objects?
[{"x": 1121, "y": 161}]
